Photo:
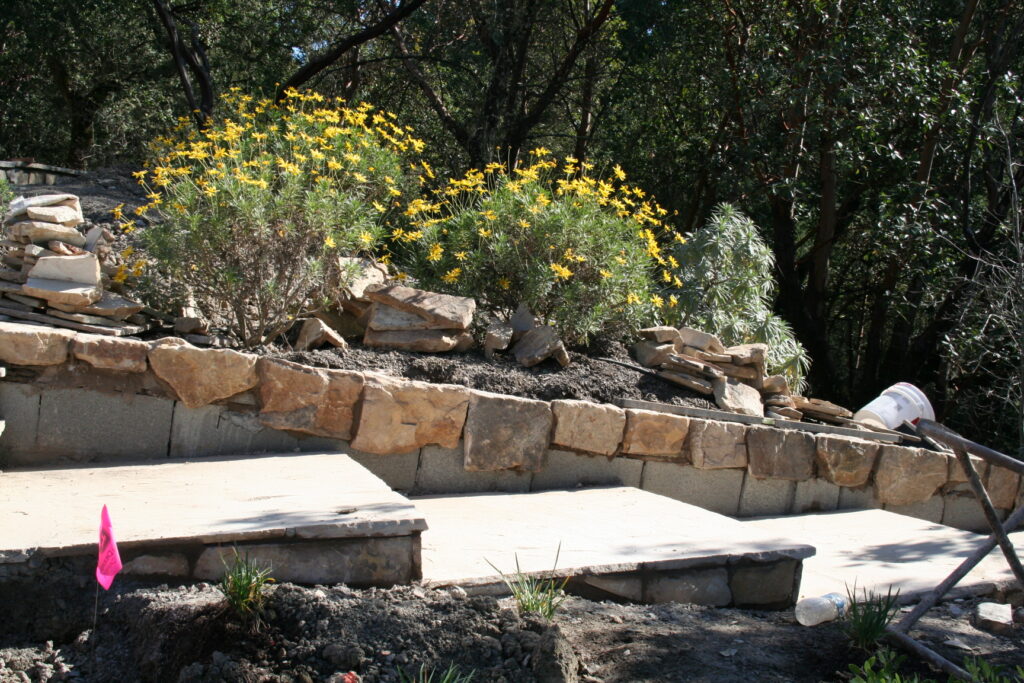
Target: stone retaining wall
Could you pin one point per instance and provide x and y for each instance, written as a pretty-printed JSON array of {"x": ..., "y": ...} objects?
[{"x": 81, "y": 397}]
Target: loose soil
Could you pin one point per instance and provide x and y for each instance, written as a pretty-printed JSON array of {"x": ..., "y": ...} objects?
[{"x": 321, "y": 633}]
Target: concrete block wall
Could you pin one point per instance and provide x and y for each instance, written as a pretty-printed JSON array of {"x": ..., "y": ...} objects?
[{"x": 62, "y": 406}]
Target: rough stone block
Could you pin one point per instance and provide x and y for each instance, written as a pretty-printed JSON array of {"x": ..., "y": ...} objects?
[
  {"x": 773, "y": 585},
  {"x": 202, "y": 376},
  {"x": 844, "y": 461},
  {"x": 398, "y": 416},
  {"x": 994, "y": 617},
  {"x": 780, "y": 453},
  {"x": 929, "y": 510},
  {"x": 441, "y": 311},
  {"x": 815, "y": 495},
  {"x": 442, "y": 470},
  {"x": 83, "y": 425},
  {"x": 33, "y": 344},
  {"x": 355, "y": 562},
  {"x": 215, "y": 430},
  {"x": 731, "y": 394},
  {"x": 860, "y": 498},
  {"x": 695, "y": 586},
  {"x": 1002, "y": 485},
  {"x": 909, "y": 475},
  {"x": 763, "y": 497},
  {"x": 397, "y": 471},
  {"x": 565, "y": 470},
  {"x": 308, "y": 400},
  {"x": 166, "y": 564},
  {"x": 19, "y": 408},
  {"x": 506, "y": 432},
  {"x": 962, "y": 511},
  {"x": 716, "y": 445},
  {"x": 626, "y": 586},
  {"x": 588, "y": 427},
  {"x": 715, "y": 490},
  {"x": 956, "y": 471},
  {"x": 651, "y": 433},
  {"x": 111, "y": 353}
]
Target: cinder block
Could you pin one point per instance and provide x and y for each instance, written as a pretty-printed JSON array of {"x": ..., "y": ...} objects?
[
  {"x": 83, "y": 425},
  {"x": 442, "y": 470},
  {"x": 356, "y": 562},
  {"x": 715, "y": 490},
  {"x": 962, "y": 511},
  {"x": 815, "y": 495},
  {"x": 214, "y": 430},
  {"x": 398, "y": 471},
  {"x": 770, "y": 585},
  {"x": 19, "y": 408},
  {"x": 860, "y": 498},
  {"x": 695, "y": 586},
  {"x": 763, "y": 497},
  {"x": 626, "y": 586},
  {"x": 929, "y": 510},
  {"x": 565, "y": 470}
]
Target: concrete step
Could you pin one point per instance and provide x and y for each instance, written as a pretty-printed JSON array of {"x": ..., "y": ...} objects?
[
  {"x": 875, "y": 549},
  {"x": 315, "y": 518},
  {"x": 615, "y": 542}
]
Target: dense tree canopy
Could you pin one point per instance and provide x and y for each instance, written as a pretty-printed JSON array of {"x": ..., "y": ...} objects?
[{"x": 876, "y": 145}]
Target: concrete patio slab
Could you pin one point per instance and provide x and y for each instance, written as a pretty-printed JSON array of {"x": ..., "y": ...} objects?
[
  {"x": 277, "y": 501},
  {"x": 626, "y": 542},
  {"x": 876, "y": 549}
]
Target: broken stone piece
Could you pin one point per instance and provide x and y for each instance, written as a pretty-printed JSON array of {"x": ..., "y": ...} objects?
[
  {"x": 429, "y": 341},
  {"x": 315, "y": 333},
  {"x": 187, "y": 324},
  {"x": 64, "y": 215},
  {"x": 775, "y": 384},
  {"x": 522, "y": 321},
  {"x": 83, "y": 269},
  {"x": 20, "y": 206},
  {"x": 61, "y": 249},
  {"x": 538, "y": 345},
  {"x": 651, "y": 354},
  {"x": 442, "y": 310},
  {"x": 109, "y": 305},
  {"x": 749, "y": 354},
  {"x": 700, "y": 340},
  {"x": 737, "y": 397},
  {"x": 698, "y": 384},
  {"x": 993, "y": 617},
  {"x": 384, "y": 318},
  {"x": 61, "y": 292},
  {"x": 366, "y": 273},
  {"x": 663, "y": 334},
  {"x": 499, "y": 336},
  {"x": 41, "y": 233}
]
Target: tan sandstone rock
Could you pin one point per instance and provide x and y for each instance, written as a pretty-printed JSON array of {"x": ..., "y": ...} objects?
[
  {"x": 717, "y": 445},
  {"x": 588, "y": 427},
  {"x": 909, "y": 475},
  {"x": 780, "y": 453},
  {"x": 1002, "y": 485},
  {"x": 33, "y": 344},
  {"x": 398, "y": 416},
  {"x": 111, "y": 353},
  {"x": 315, "y": 333},
  {"x": 506, "y": 433},
  {"x": 651, "y": 433},
  {"x": 737, "y": 397},
  {"x": 843, "y": 461},
  {"x": 700, "y": 340},
  {"x": 62, "y": 292},
  {"x": 202, "y": 376},
  {"x": 315, "y": 401},
  {"x": 663, "y": 334},
  {"x": 65, "y": 215},
  {"x": 442, "y": 311},
  {"x": 39, "y": 232},
  {"x": 427, "y": 341},
  {"x": 83, "y": 269}
]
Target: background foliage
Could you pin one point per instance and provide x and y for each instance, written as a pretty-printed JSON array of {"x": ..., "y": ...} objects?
[{"x": 875, "y": 145}]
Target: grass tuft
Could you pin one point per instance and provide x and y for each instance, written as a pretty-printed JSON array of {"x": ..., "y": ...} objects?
[
  {"x": 242, "y": 586},
  {"x": 868, "y": 616},
  {"x": 534, "y": 595},
  {"x": 425, "y": 675}
]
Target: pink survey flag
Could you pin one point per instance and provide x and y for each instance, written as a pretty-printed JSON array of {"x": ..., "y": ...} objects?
[{"x": 109, "y": 562}]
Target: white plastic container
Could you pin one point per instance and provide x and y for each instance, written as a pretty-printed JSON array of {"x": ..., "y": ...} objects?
[
  {"x": 899, "y": 403},
  {"x": 814, "y": 611}
]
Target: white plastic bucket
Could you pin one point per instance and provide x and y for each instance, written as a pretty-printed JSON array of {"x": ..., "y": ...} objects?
[{"x": 902, "y": 402}]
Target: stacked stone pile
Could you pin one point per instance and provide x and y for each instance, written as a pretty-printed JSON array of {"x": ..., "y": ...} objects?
[
  {"x": 411, "y": 319},
  {"x": 53, "y": 273},
  {"x": 735, "y": 375}
]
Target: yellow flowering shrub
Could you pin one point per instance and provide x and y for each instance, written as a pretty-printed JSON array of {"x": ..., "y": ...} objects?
[
  {"x": 579, "y": 250},
  {"x": 254, "y": 211}
]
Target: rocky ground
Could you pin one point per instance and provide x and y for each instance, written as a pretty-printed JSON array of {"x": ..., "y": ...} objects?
[{"x": 322, "y": 633}]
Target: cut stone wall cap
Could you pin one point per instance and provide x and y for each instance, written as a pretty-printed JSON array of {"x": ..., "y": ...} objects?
[
  {"x": 398, "y": 416},
  {"x": 202, "y": 376},
  {"x": 316, "y": 401},
  {"x": 111, "y": 353},
  {"x": 909, "y": 475},
  {"x": 33, "y": 344},
  {"x": 588, "y": 427},
  {"x": 506, "y": 433},
  {"x": 656, "y": 434}
]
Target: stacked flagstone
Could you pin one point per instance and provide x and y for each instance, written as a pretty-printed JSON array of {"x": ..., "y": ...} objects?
[
  {"x": 736, "y": 375},
  {"x": 416, "y": 320},
  {"x": 52, "y": 272}
]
